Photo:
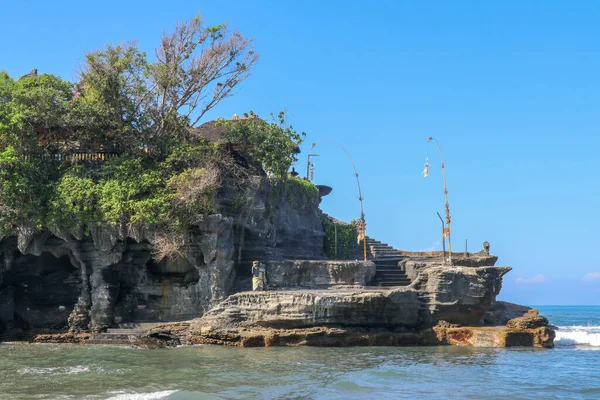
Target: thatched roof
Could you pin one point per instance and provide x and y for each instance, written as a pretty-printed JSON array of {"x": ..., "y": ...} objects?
[
  {"x": 211, "y": 131},
  {"x": 214, "y": 131}
]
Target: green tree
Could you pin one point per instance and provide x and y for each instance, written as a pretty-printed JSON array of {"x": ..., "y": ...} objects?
[
  {"x": 32, "y": 105},
  {"x": 274, "y": 144},
  {"x": 130, "y": 104},
  {"x": 115, "y": 94}
]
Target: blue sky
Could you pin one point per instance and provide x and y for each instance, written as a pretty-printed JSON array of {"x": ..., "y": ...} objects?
[{"x": 510, "y": 90}]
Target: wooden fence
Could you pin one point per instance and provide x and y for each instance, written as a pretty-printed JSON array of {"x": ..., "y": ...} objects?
[{"x": 80, "y": 157}]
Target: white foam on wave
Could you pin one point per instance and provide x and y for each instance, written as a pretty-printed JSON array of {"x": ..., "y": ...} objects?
[
  {"x": 77, "y": 369},
  {"x": 578, "y": 335},
  {"x": 164, "y": 394}
]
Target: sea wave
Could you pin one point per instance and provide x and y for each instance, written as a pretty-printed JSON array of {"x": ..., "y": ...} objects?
[
  {"x": 578, "y": 336},
  {"x": 77, "y": 369},
  {"x": 164, "y": 394}
]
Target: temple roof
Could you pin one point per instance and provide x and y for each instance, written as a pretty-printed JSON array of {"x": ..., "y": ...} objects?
[{"x": 214, "y": 131}]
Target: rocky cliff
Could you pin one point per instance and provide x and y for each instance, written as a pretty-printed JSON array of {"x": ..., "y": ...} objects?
[
  {"x": 78, "y": 282},
  {"x": 68, "y": 279}
]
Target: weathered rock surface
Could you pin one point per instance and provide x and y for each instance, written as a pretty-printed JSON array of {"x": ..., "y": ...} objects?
[
  {"x": 308, "y": 308},
  {"x": 502, "y": 311},
  {"x": 342, "y": 336},
  {"x": 459, "y": 295},
  {"x": 496, "y": 336},
  {"x": 413, "y": 265},
  {"x": 444, "y": 305},
  {"x": 530, "y": 320},
  {"x": 456, "y": 294},
  {"x": 318, "y": 273}
]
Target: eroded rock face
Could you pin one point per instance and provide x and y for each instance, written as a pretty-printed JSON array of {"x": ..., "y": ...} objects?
[
  {"x": 104, "y": 279},
  {"x": 502, "y": 311},
  {"x": 358, "y": 336},
  {"x": 531, "y": 320},
  {"x": 273, "y": 222},
  {"x": 308, "y": 308},
  {"x": 445, "y": 305},
  {"x": 413, "y": 265},
  {"x": 459, "y": 295},
  {"x": 498, "y": 336}
]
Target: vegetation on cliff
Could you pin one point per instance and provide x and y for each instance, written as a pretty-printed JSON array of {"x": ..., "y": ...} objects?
[
  {"x": 116, "y": 147},
  {"x": 340, "y": 239}
]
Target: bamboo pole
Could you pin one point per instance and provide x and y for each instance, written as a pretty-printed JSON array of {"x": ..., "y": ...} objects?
[{"x": 431, "y": 138}]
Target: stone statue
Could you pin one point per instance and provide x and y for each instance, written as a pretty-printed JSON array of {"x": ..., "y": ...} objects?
[
  {"x": 31, "y": 73},
  {"x": 486, "y": 248},
  {"x": 259, "y": 276}
]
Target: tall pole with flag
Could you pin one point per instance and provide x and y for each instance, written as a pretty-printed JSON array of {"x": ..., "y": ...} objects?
[{"x": 446, "y": 233}]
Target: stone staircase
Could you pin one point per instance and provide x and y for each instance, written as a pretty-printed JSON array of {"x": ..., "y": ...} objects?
[
  {"x": 386, "y": 259},
  {"x": 378, "y": 249},
  {"x": 388, "y": 273}
]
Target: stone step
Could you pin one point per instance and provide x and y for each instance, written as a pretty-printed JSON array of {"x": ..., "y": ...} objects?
[
  {"x": 395, "y": 277},
  {"x": 391, "y": 279},
  {"x": 383, "y": 277},
  {"x": 391, "y": 284},
  {"x": 389, "y": 271},
  {"x": 387, "y": 264},
  {"x": 386, "y": 281}
]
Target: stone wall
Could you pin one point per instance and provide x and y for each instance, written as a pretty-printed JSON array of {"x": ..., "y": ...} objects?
[{"x": 317, "y": 274}]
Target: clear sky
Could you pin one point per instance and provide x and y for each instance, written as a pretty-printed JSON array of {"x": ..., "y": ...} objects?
[{"x": 510, "y": 89}]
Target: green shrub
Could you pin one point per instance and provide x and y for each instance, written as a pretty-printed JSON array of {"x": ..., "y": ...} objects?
[
  {"x": 302, "y": 189},
  {"x": 346, "y": 239}
]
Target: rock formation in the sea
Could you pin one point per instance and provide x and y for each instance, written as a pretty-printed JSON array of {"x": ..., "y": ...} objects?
[
  {"x": 445, "y": 305},
  {"x": 416, "y": 315},
  {"x": 68, "y": 284}
]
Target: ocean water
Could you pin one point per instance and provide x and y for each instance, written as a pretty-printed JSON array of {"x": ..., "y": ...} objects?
[{"x": 571, "y": 370}]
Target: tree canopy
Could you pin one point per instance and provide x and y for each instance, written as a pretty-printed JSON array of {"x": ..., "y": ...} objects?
[{"x": 141, "y": 110}]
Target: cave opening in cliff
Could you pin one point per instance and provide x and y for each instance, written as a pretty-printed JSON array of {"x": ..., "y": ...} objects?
[{"x": 39, "y": 291}]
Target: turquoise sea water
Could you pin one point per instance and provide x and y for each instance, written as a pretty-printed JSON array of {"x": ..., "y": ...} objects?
[{"x": 572, "y": 370}]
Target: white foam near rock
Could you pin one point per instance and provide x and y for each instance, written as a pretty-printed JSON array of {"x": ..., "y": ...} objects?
[
  {"x": 164, "y": 394},
  {"x": 578, "y": 335}
]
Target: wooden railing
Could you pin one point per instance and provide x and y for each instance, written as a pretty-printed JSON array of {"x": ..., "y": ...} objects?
[{"x": 81, "y": 157}]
